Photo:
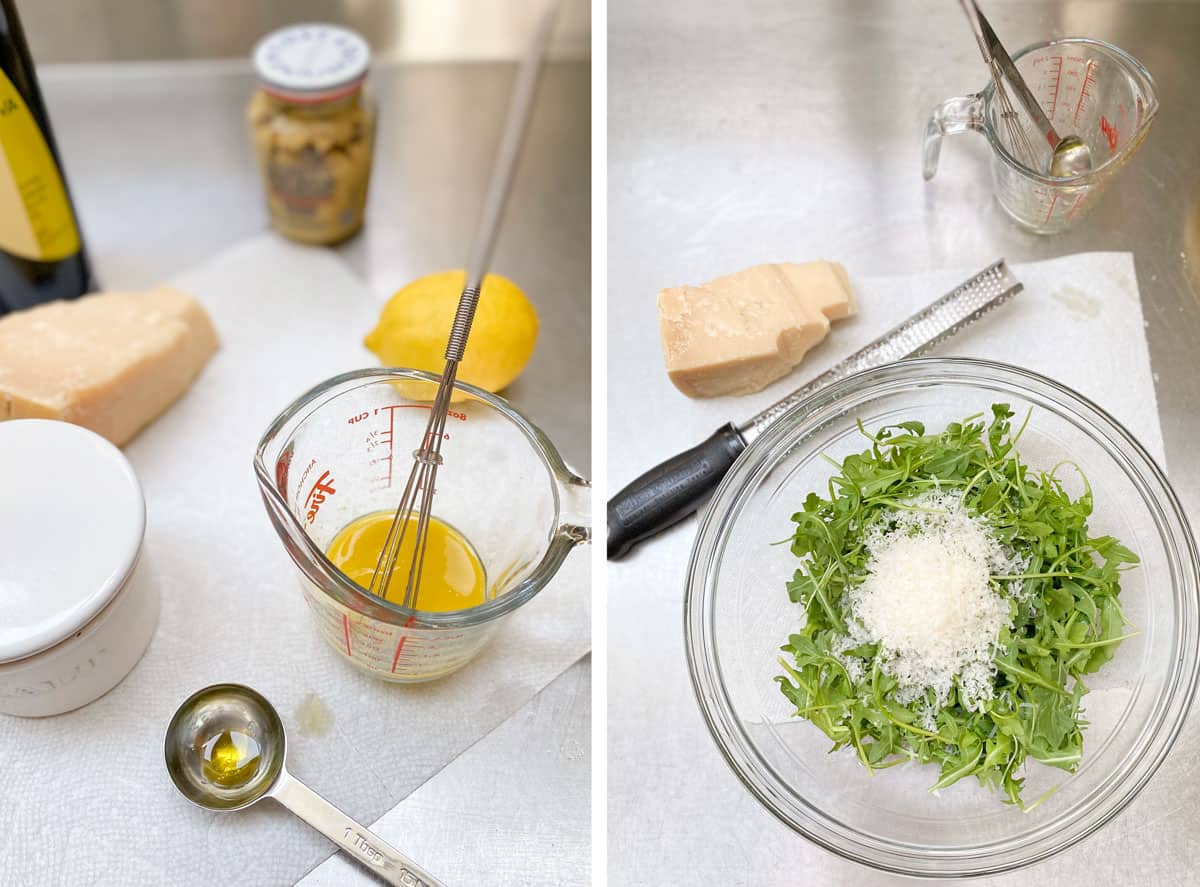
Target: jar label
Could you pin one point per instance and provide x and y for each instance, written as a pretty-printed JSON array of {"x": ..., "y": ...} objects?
[
  {"x": 304, "y": 182},
  {"x": 36, "y": 221}
]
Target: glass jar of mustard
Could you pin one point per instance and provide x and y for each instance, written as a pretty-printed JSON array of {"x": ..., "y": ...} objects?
[{"x": 314, "y": 130}]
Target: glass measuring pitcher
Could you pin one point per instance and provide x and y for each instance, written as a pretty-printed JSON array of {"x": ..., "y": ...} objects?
[
  {"x": 1087, "y": 88},
  {"x": 344, "y": 450}
]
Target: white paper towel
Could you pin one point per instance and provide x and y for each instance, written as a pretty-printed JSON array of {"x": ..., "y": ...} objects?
[
  {"x": 1078, "y": 321},
  {"x": 85, "y": 798}
]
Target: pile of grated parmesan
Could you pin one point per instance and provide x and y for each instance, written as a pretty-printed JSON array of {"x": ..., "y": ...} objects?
[{"x": 929, "y": 604}]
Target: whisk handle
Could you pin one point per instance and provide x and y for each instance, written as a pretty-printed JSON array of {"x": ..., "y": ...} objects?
[
  {"x": 461, "y": 328},
  {"x": 520, "y": 109}
]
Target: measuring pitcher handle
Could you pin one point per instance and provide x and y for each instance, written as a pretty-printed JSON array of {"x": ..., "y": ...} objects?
[
  {"x": 576, "y": 516},
  {"x": 961, "y": 114}
]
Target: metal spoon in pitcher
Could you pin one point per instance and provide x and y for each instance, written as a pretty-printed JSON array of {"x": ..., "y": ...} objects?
[
  {"x": 1071, "y": 156},
  {"x": 225, "y": 748}
]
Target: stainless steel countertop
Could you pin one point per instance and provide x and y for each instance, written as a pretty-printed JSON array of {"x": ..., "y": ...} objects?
[
  {"x": 159, "y": 163},
  {"x": 161, "y": 170},
  {"x": 743, "y": 132},
  {"x": 529, "y": 818},
  {"x": 398, "y": 30}
]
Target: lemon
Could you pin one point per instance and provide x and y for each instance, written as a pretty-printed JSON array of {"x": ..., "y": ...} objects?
[{"x": 415, "y": 324}]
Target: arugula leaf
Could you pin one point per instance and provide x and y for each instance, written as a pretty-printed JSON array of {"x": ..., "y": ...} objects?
[{"x": 1067, "y": 619}]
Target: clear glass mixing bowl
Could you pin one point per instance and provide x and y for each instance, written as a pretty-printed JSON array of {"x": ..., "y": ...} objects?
[{"x": 737, "y": 615}]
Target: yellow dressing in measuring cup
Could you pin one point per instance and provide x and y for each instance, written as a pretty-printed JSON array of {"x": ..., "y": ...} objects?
[{"x": 452, "y": 577}]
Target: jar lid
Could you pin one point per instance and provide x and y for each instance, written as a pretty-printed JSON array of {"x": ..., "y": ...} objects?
[
  {"x": 72, "y": 517},
  {"x": 311, "y": 63}
]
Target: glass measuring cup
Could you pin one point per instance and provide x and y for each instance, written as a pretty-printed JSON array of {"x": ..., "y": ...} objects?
[
  {"x": 344, "y": 449},
  {"x": 1087, "y": 88}
]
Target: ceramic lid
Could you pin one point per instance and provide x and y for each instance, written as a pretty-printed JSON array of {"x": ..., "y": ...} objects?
[
  {"x": 311, "y": 62},
  {"x": 72, "y": 517}
]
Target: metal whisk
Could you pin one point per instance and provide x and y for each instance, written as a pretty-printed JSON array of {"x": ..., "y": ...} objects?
[
  {"x": 986, "y": 38},
  {"x": 1069, "y": 155},
  {"x": 417, "y": 499}
]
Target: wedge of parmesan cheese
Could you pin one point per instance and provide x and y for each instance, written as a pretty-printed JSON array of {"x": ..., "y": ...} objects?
[
  {"x": 741, "y": 332},
  {"x": 824, "y": 285},
  {"x": 110, "y": 362}
]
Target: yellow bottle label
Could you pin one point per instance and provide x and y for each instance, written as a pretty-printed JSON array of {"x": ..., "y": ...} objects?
[{"x": 35, "y": 217}]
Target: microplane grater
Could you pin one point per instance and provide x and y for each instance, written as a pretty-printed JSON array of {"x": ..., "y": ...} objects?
[{"x": 959, "y": 308}]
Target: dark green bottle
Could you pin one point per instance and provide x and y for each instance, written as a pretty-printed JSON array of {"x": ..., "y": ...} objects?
[{"x": 42, "y": 257}]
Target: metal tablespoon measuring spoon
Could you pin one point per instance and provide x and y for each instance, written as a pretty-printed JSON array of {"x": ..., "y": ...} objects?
[{"x": 225, "y": 750}]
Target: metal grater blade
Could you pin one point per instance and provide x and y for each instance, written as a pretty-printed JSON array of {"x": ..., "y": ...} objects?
[{"x": 961, "y": 307}]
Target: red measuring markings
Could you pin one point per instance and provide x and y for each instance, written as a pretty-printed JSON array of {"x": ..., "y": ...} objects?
[
  {"x": 1074, "y": 208},
  {"x": 1057, "y": 83},
  {"x": 400, "y": 646},
  {"x": 387, "y": 438},
  {"x": 388, "y": 457},
  {"x": 346, "y": 631},
  {"x": 282, "y": 464},
  {"x": 322, "y": 489},
  {"x": 1110, "y": 132},
  {"x": 1088, "y": 80},
  {"x": 1050, "y": 209}
]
